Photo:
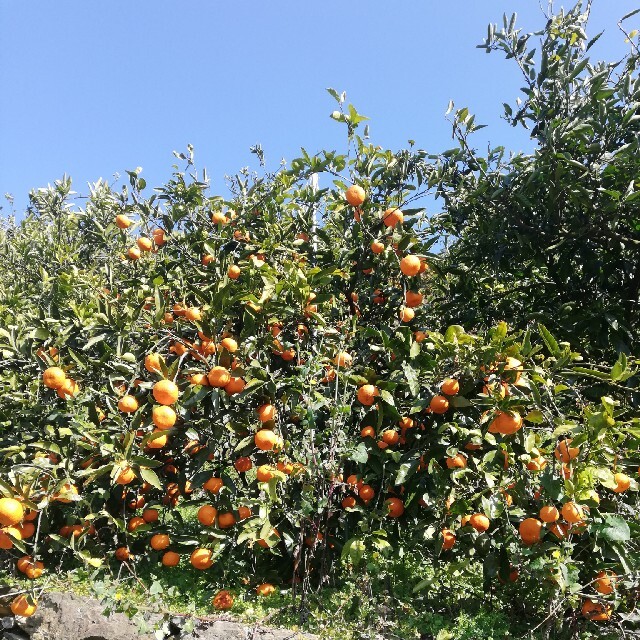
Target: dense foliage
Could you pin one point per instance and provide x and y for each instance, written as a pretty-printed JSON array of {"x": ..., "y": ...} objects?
[
  {"x": 288, "y": 363},
  {"x": 554, "y": 233}
]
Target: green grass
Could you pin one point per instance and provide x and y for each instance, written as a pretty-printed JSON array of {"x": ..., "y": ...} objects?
[{"x": 376, "y": 601}]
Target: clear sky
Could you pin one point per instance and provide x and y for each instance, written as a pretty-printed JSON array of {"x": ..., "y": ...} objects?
[{"x": 95, "y": 87}]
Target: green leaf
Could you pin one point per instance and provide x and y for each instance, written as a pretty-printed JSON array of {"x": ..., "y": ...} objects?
[
  {"x": 619, "y": 368},
  {"x": 155, "y": 588},
  {"x": 360, "y": 453},
  {"x": 354, "y": 550},
  {"x": 150, "y": 476},
  {"x": 423, "y": 584},
  {"x": 387, "y": 397},
  {"x": 614, "y": 528},
  {"x": 412, "y": 378},
  {"x": 453, "y": 333},
  {"x": 549, "y": 340}
]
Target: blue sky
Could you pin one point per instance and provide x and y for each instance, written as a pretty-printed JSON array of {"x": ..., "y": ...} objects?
[{"x": 94, "y": 88}]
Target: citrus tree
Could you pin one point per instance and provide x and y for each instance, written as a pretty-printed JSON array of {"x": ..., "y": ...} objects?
[
  {"x": 263, "y": 384},
  {"x": 553, "y": 232}
]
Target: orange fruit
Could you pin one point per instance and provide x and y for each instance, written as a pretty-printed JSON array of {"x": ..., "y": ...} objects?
[
  {"x": 537, "y": 464},
  {"x": 27, "y": 529},
  {"x": 122, "y": 554},
  {"x": 6, "y": 536},
  {"x": 53, "y": 377},
  {"x": 413, "y": 299},
  {"x": 217, "y": 217},
  {"x": 134, "y": 523},
  {"x": 68, "y": 389},
  {"x": 450, "y": 386},
  {"x": 406, "y": 315},
  {"x": 420, "y": 336},
  {"x": 265, "y": 589},
  {"x": 23, "y": 605},
  {"x": 31, "y": 515},
  {"x": 226, "y": 520},
  {"x": 128, "y": 404},
  {"x": 572, "y": 512},
  {"x": 170, "y": 559},
  {"x": 123, "y": 222},
  {"x": 405, "y": 423},
  {"x": 234, "y": 272},
  {"x": 267, "y": 440},
  {"x": 144, "y": 244},
  {"x": 623, "y": 482},
  {"x": 355, "y": 195},
  {"x": 392, "y": 217},
  {"x": 150, "y": 515},
  {"x": 410, "y": 265},
  {"x": 506, "y": 423},
  {"x": 354, "y": 480},
  {"x": 448, "y": 539},
  {"x": 264, "y": 473},
  {"x": 456, "y": 462},
  {"x": 479, "y": 522},
  {"x": 377, "y": 247},
  {"x": 390, "y": 436},
  {"x": 439, "y": 404},
  {"x": 366, "y": 492},
  {"x": 199, "y": 379},
  {"x": 235, "y": 385},
  {"x": 367, "y": 394},
  {"x": 395, "y": 507},
  {"x": 266, "y": 412},
  {"x": 243, "y": 464},
  {"x": 66, "y": 493},
  {"x": 213, "y": 485},
  {"x": 244, "y": 513},
  {"x": 207, "y": 515},
  {"x": 159, "y": 441},
  {"x": 559, "y": 530},
  {"x": 564, "y": 452},
  {"x": 342, "y": 359},
  {"x": 202, "y": 558},
  {"x": 596, "y": 611},
  {"x": 126, "y": 476},
  {"x": 159, "y": 237},
  {"x": 530, "y": 530},
  {"x": 368, "y": 432},
  {"x": 163, "y": 417},
  {"x": 549, "y": 514},
  {"x": 11, "y": 512},
  {"x": 219, "y": 377},
  {"x": 152, "y": 362},
  {"x": 229, "y": 344},
  {"x": 605, "y": 582},
  {"x": 223, "y": 600},
  {"x": 165, "y": 392},
  {"x": 348, "y": 503},
  {"x": 193, "y": 314},
  {"x": 513, "y": 365},
  {"x": 134, "y": 253},
  {"x": 159, "y": 541}
]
